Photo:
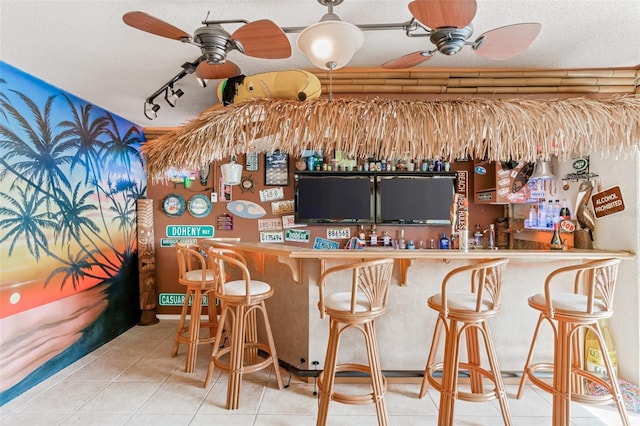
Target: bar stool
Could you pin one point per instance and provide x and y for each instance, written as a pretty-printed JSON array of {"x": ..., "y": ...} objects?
[
  {"x": 199, "y": 282},
  {"x": 568, "y": 312},
  {"x": 240, "y": 301},
  {"x": 465, "y": 311},
  {"x": 357, "y": 308}
]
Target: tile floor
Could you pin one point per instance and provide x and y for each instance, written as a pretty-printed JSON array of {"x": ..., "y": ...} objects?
[{"x": 132, "y": 380}]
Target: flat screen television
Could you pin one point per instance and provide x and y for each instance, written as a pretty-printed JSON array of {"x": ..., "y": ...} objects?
[
  {"x": 419, "y": 200},
  {"x": 334, "y": 198}
]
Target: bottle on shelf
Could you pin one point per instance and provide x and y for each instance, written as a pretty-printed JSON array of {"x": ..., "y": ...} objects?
[
  {"x": 556, "y": 242},
  {"x": 402, "y": 244},
  {"x": 542, "y": 215},
  {"x": 386, "y": 239},
  {"x": 492, "y": 237},
  {"x": 477, "y": 237},
  {"x": 444, "y": 242},
  {"x": 373, "y": 236},
  {"x": 550, "y": 214},
  {"x": 361, "y": 235},
  {"x": 411, "y": 245},
  {"x": 533, "y": 217},
  {"x": 564, "y": 210}
]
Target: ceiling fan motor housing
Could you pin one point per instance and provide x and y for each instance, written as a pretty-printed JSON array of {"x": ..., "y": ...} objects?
[
  {"x": 449, "y": 40},
  {"x": 214, "y": 41}
]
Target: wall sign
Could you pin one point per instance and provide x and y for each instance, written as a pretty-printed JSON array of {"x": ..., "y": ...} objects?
[
  {"x": 338, "y": 233},
  {"x": 282, "y": 207},
  {"x": 271, "y": 194},
  {"x": 251, "y": 161},
  {"x": 607, "y": 202},
  {"x": 297, "y": 235},
  {"x": 272, "y": 237},
  {"x": 224, "y": 222},
  {"x": 276, "y": 168},
  {"x": 269, "y": 224},
  {"x": 322, "y": 244},
  {"x": 193, "y": 231}
]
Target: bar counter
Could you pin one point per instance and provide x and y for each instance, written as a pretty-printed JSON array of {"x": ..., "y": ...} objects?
[{"x": 405, "y": 330}]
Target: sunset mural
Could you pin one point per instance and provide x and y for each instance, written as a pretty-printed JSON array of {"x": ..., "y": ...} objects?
[{"x": 70, "y": 175}]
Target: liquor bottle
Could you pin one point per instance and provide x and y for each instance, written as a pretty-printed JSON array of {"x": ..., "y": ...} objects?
[
  {"x": 401, "y": 242},
  {"x": 386, "y": 239},
  {"x": 373, "y": 236},
  {"x": 492, "y": 237},
  {"x": 533, "y": 217},
  {"x": 594, "y": 361},
  {"x": 550, "y": 215},
  {"x": 556, "y": 242},
  {"x": 477, "y": 237},
  {"x": 444, "y": 242},
  {"x": 361, "y": 235},
  {"x": 542, "y": 215}
]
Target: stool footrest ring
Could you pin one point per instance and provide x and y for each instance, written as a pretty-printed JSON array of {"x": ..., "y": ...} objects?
[
  {"x": 250, "y": 368},
  {"x": 352, "y": 399}
]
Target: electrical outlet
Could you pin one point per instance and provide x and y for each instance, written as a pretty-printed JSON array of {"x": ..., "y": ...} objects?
[{"x": 214, "y": 197}]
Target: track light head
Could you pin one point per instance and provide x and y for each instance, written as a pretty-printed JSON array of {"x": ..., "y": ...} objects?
[{"x": 151, "y": 109}]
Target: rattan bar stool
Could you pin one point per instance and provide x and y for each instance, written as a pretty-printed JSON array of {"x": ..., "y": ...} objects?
[
  {"x": 241, "y": 301},
  {"x": 465, "y": 310},
  {"x": 358, "y": 309},
  {"x": 199, "y": 282},
  {"x": 569, "y": 312}
]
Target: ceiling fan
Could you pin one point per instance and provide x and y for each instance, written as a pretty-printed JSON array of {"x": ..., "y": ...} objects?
[
  {"x": 448, "y": 25},
  {"x": 259, "y": 39}
]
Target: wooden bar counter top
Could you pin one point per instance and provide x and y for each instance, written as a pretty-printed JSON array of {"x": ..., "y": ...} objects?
[{"x": 404, "y": 332}]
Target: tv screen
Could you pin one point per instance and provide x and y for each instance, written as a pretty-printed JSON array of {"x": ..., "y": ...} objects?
[
  {"x": 410, "y": 200},
  {"x": 334, "y": 199}
]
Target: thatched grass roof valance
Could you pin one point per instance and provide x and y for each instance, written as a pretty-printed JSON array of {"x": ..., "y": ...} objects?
[{"x": 385, "y": 128}]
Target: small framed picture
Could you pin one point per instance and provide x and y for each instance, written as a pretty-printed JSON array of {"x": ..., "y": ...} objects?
[{"x": 276, "y": 169}]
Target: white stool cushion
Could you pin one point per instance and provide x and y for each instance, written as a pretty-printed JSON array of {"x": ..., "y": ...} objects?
[
  {"x": 239, "y": 287},
  {"x": 342, "y": 302},
  {"x": 462, "y": 301},
  {"x": 196, "y": 275},
  {"x": 569, "y": 302}
]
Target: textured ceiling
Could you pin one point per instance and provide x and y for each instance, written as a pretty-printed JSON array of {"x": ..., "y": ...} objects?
[{"x": 85, "y": 48}]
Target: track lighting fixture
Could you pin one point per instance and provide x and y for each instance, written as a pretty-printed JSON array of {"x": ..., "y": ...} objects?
[{"x": 171, "y": 96}]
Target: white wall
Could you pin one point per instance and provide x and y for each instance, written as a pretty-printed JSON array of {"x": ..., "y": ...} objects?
[{"x": 616, "y": 232}]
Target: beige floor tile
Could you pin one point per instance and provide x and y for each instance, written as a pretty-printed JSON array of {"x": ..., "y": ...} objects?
[
  {"x": 32, "y": 419},
  {"x": 103, "y": 419},
  {"x": 120, "y": 397},
  {"x": 64, "y": 397},
  {"x": 103, "y": 368},
  {"x": 160, "y": 420}
]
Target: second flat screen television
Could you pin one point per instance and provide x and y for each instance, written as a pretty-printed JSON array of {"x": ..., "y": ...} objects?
[{"x": 424, "y": 200}]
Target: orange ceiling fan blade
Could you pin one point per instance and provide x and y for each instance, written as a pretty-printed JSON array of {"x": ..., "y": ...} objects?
[
  {"x": 443, "y": 13},
  {"x": 263, "y": 39},
  {"x": 408, "y": 61},
  {"x": 145, "y": 22},
  {"x": 207, "y": 71},
  {"x": 506, "y": 42}
]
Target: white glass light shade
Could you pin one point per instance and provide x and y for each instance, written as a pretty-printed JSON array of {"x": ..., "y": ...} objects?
[
  {"x": 330, "y": 42},
  {"x": 231, "y": 173}
]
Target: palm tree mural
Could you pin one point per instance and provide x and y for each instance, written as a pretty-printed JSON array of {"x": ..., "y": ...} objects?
[{"x": 70, "y": 174}]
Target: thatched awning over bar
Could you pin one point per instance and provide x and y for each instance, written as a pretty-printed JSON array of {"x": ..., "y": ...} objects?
[{"x": 387, "y": 128}]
